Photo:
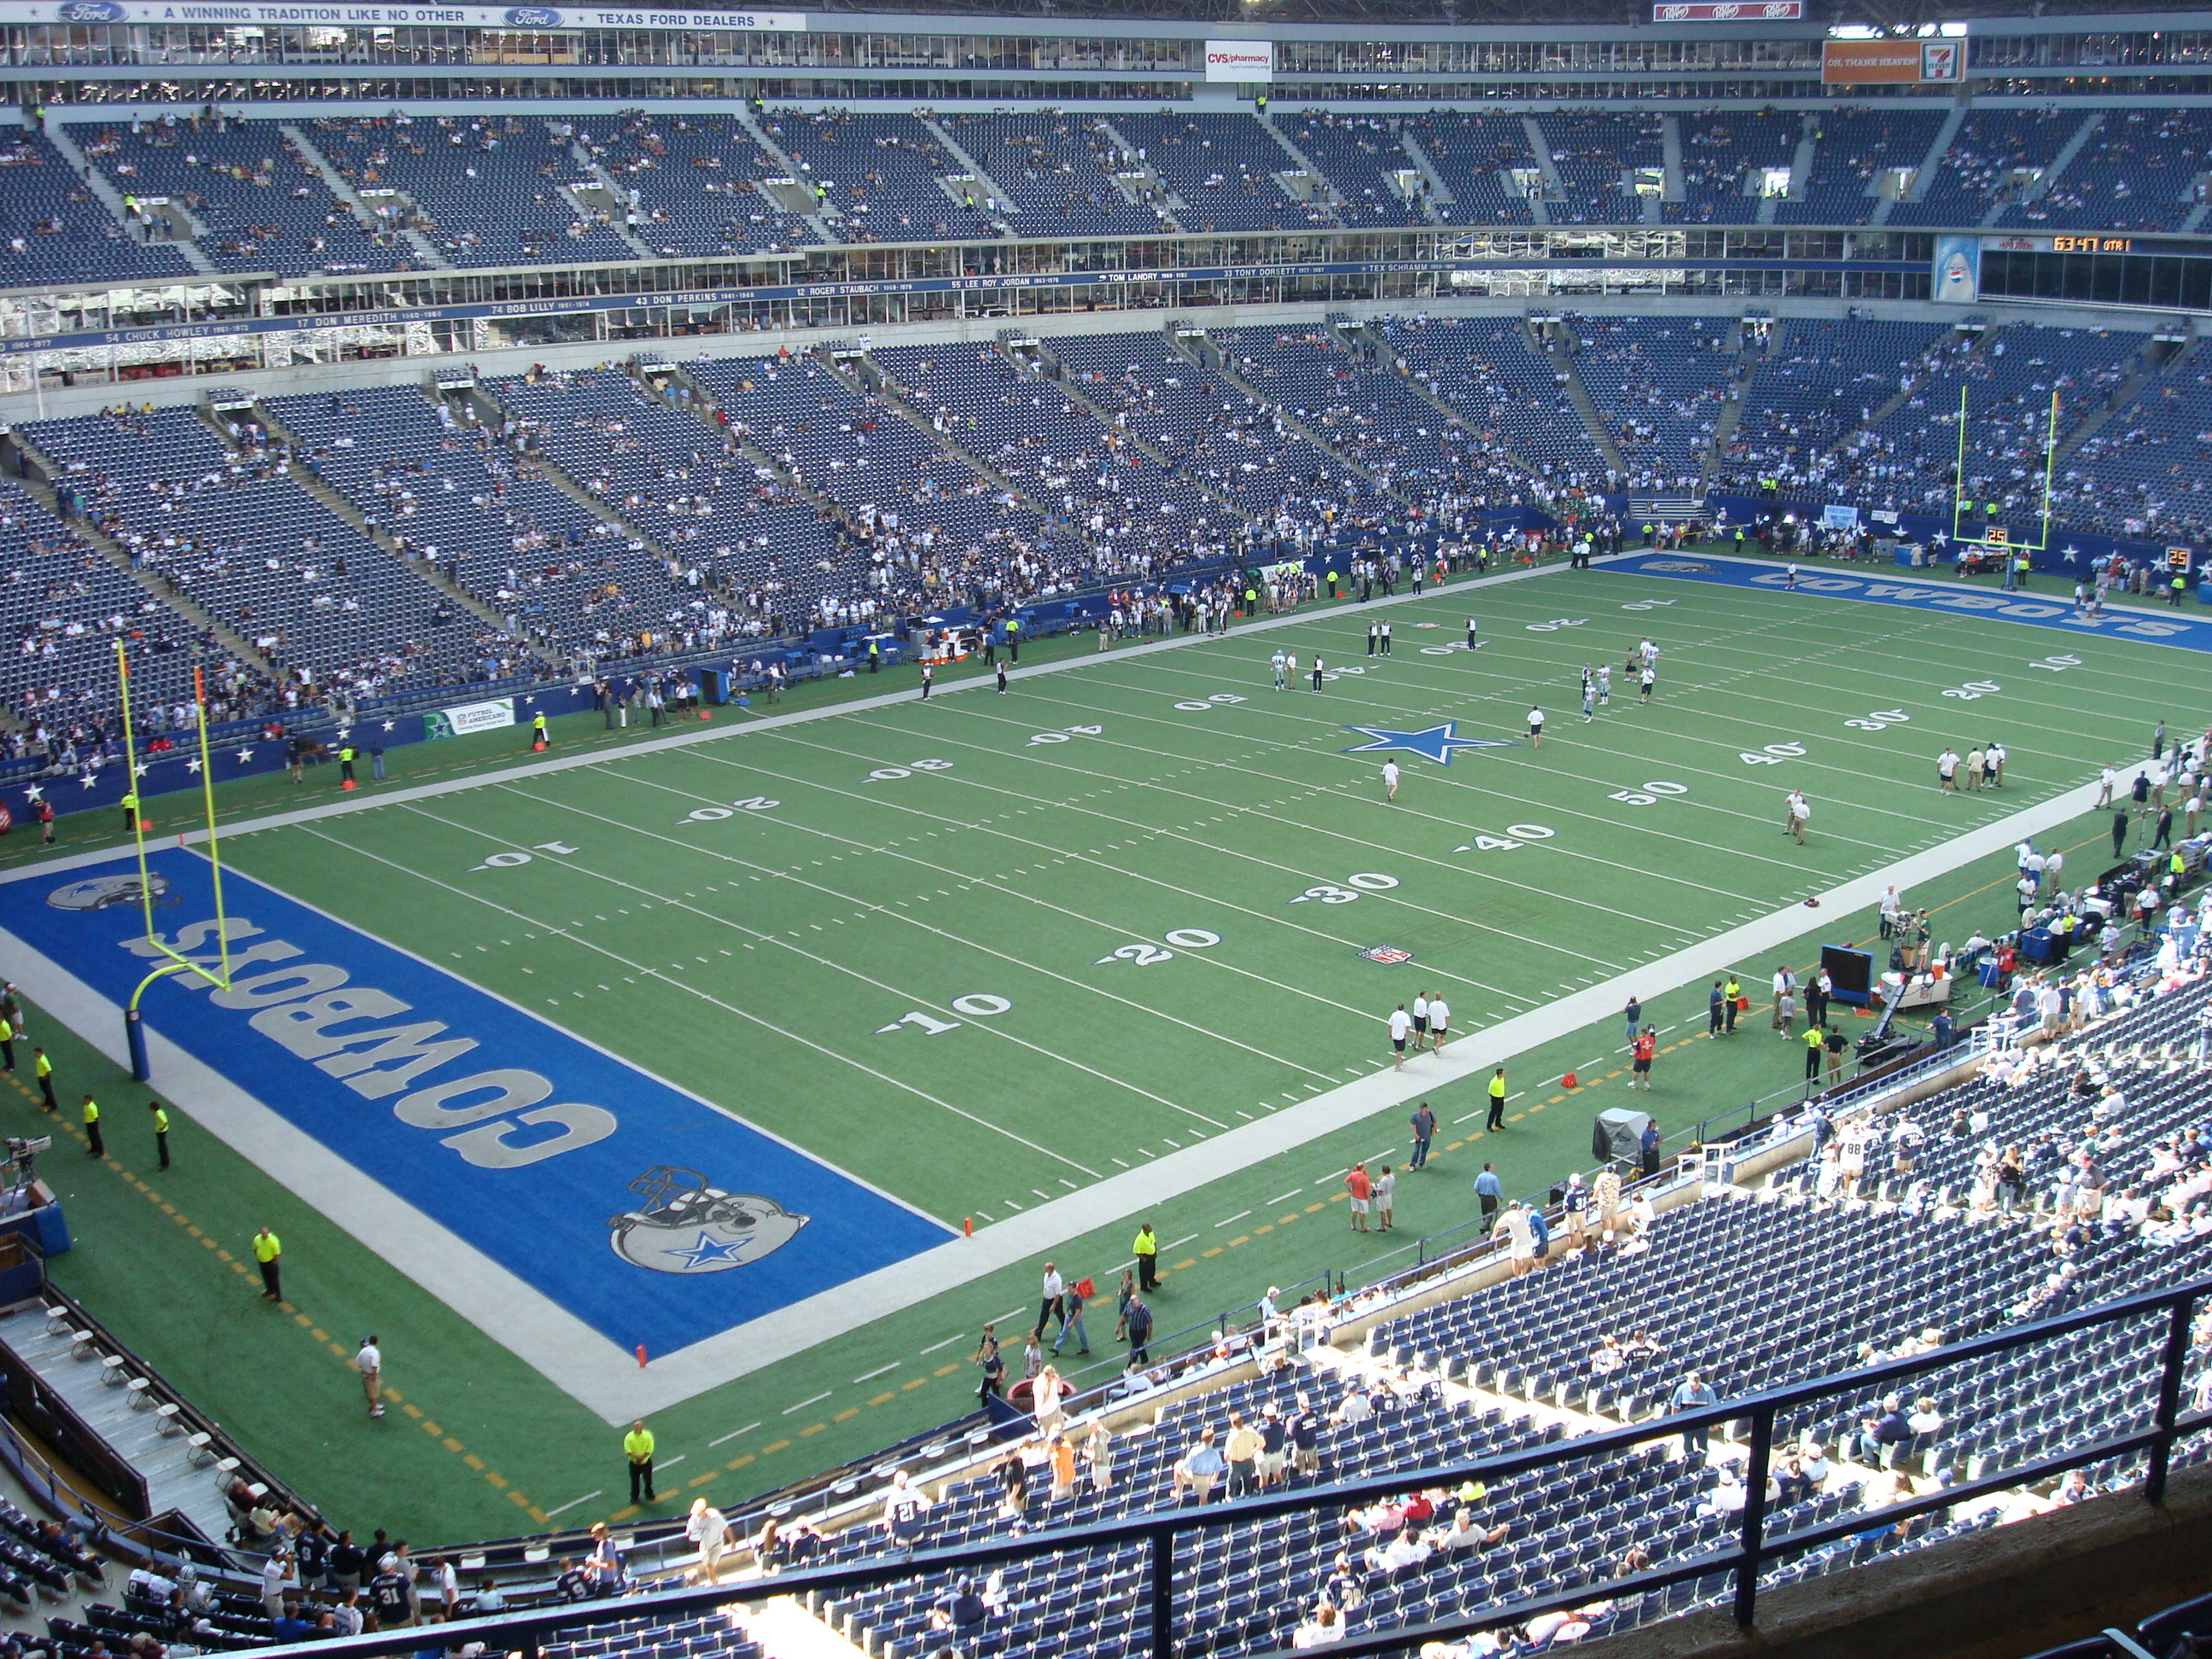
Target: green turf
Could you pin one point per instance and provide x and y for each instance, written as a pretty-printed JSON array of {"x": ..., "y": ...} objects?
[{"x": 752, "y": 959}]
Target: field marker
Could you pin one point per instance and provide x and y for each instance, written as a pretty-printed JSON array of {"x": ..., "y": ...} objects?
[
  {"x": 804, "y": 1404},
  {"x": 572, "y": 1503},
  {"x": 1293, "y": 1192},
  {"x": 865, "y": 1377},
  {"x": 732, "y": 1434},
  {"x": 1233, "y": 1219}
]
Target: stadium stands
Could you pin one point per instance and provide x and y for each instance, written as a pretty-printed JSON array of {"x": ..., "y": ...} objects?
[
  {"x": 1506, "y": 391},
  {"x": 1058, "y": 174},
  {"x": 1820, "y": 381},
  {"x": 690, "y": 184},
  {"x": 1996, "y": 156},
  {"x": 1724, "y": 158},
  {"x": 880, "y": 174},
  {"x": 1855, "y": 151},
  {"x": 1597, "y": 156},
  {"x": 1376, "y": 180},
  {"x": 2145, "y": 470},
  {"x": 1481, "y": 159},
  {"x": 263, "y": 204},
  {"x": 1659, "y": 384},
  {"x": 1222, "y": 169},
  {"x": 2138, "y": 172},
  {"x": 54, "y": 229}
]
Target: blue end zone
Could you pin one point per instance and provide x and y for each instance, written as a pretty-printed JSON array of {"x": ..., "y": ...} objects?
[
  {"x": 2052, "y": 609},
  {"x": 637, "y": 1209}
]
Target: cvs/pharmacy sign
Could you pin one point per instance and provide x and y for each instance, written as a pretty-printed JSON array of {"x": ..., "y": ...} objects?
[{"x": 1239, "y": 60}]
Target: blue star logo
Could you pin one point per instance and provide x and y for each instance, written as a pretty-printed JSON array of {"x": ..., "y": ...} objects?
[
  {"x": 1435, "y": 742},
  {"x": 707, "y": 1250}
]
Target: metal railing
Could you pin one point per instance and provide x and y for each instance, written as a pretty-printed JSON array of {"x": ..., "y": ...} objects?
[{"x": 1159, "y": 1534}]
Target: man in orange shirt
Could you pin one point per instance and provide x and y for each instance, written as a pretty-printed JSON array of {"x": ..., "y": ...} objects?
[
  {"x": 1646, "y": 1046},
  {"x": 1360, "y": 1187},
  {"x": 1063, "y": 1468}
]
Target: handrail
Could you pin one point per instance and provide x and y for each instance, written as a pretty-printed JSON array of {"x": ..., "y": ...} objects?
[{"x": 1159, "y": 1533}]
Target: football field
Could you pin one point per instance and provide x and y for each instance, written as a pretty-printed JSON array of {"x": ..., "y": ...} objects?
[{"x": 712, "y": 1052}]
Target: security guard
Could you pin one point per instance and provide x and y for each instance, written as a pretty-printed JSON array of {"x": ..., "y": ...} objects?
[
  {"x": 345, "y": 766},
  {"x": 7, "y": 1045},
  {"x": 637, "y": 1446},
  {"x": 1815, "y": 1037},
  {"x": 1147, "y": 1249},
  {"x": 875, "y": 657},
  {"x": 268, "y": 1251},
  {"x": 1497, "y": 1100},
  {"x": 1014, "y": 639},
  {"x": 538, "y": 735},
  {"x": 130, "y": 804},
  {"x": 161, "y": 1130},
  {"x": 92, "y": 1127},
  {"x": 42, "y": 1069},
  {"x": 1732, "y": 995}
]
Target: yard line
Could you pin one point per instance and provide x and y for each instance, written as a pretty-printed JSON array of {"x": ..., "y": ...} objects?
[
  {"x": 816, "y": 1400},
  {"x": 821, "y": 961},
  {"x": 732, "y": 1435},
  {"x": 1291, "y": 871},
  {"x": 691, "y": 990},
  {"x": 934, "y": 1347},
  {"x": 1295, "y": 1191},
  {"x": 1403, "y": 810},
  {"x": 671, "y": 1463},
  {"x": 868, "y": 1376},
  {"x": 1233, "y": 1219},
  {"x": 785, "y": 779},
  {"x": 1179, "y": 1244},
  {"x": 1009, "y": 892},
  {"x": 572, "y": 1502},
  {"x": 1366, "y": 797}
]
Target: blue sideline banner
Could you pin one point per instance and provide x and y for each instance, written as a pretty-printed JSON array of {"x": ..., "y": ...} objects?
[{"x": 582, "y": 1206}]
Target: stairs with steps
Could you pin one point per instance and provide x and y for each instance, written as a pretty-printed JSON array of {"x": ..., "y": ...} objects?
[
  {"x": 342, "y": 507},
  {"x": 1324, "y": 193},
  {"x": 984, "y": 185},
  {"x": 2041, "y": 187},
  {"x": 1074, "y": 391},
  {"x": 1731, "y": 416},
  {"x": 73, "y": 1371},
  {"x": 2155, "y": 363},
  {"x": 424, "y": 248},
  {"x": 816, "y": 221},
  {"x": 1375, "y": 341},
  {"x": 492, "y": 413},
  {"x": 1578, "y": 395},
  {"x": 1141, "y": 178},
  {"x": 98, "y": 183},
  {"x": 1226, "y": 368},
  {"x": 617, "y": 199},
  {"x": 1891, "y": 405},
  {"x": 114, "y": 552},
  {"x": 1437, "y": 201},
  {"x": 1924, "y": 174},
  {"x": 877, "y": 382},
  {"x": 701, "y": 408}
]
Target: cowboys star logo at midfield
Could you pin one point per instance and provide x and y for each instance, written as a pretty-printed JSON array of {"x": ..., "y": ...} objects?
[
  {"x": 1435, "y": 742},
  {"x": 686, "y": 1226}
]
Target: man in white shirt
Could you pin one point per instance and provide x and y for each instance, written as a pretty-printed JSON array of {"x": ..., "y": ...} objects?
[
  {"x": 1946, "y": 769},
  {"x": 1051, "y": 1291},
  {"x": 1439, "y": 1024},
  {"x": 1420, "y": 1019},
  {"x": 1535, "y": 728},
  {"x": 1401, "y": 1023},
  {"x": 2104, "y": 781},
  {"x": 1389, "y": 780},
  {"x": 1278, "y": 661},
  {"x": 369, "y": 1362}
]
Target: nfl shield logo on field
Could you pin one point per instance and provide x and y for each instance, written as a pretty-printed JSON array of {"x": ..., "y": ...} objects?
[
  {"x": 1386, "y": 956},
  {"x": 686, "y": 1226}
]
